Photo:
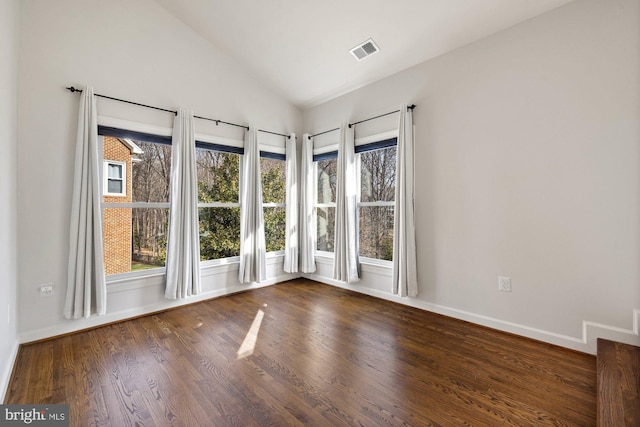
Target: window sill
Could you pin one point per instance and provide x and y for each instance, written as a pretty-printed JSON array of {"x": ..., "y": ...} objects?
[
  {"x": 142, "y": 274},
  {"x": 367, "y": 265},
  {"x": 376, "y": 262},
  {"x": 152, "y": 277}
]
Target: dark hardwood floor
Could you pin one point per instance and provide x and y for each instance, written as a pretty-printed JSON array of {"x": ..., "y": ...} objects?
[
  {"x": 618, "y": 373},
  {"x": 323, "y": 356}
]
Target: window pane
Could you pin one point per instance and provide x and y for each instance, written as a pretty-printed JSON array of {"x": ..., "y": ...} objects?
[
  {"x": 115, "y": 171},
  {"x": 219, "y": 232},
  {"x": 134, "y": 239},
  {"x": 218, "y": 176},
  {"x": 114, "y": 187},
  {"x": 274, "y": 228},
  {"x": 326, "y": 220},
  {"x": 378, "y": 175},
  {"x": 218, "y": 181},
  {"x": 376, "y": 232},
  {"x": 274, "y": 190},
  {"x": 151, "y": 173},
  {"x": 150, "y": 227},
  {"x": 327, "y": 180},
  {"x": 274, "y": 180}
]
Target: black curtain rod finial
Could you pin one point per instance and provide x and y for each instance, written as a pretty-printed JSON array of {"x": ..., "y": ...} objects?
[
  {"x": 73, "y": 89},
  {"x": 412, "y": 106}
]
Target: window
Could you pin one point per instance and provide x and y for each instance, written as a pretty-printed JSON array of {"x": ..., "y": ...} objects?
[
  {"x": 135, "y": 222},
  {"x": 219, "y": 204},
  {"x": 274, "y": 194},
  {"x": 377, "y": 175},
  {"x": 376, "y": 165},
  {"x": 115, "y": 178},
  {"x": 326, "y": 184}
]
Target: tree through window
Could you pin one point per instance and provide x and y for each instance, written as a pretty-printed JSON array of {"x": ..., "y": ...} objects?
[
  {"x": 326, "y": 186},
  {"x": 376, "y": 205},
  {"x": 218, "y": 207},
  {"x": 274, "y": 196}
]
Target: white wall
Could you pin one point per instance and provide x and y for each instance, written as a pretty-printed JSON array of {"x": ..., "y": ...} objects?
[
  {"x": 9, "y": 19},
  {"x": 131, "y": 49},
  {"x": 528, "y": 161}
]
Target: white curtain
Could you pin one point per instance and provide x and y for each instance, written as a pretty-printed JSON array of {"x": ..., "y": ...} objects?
[
  {"x": 346, "y": 263},
  {"x": 253, "y": 253},
  {"x": 307, "y": 193},
  {"x": 183, "y": 245},
  {"x": 291, "y": 237},
  {"x": 86, "y": 287},
  {"x": 405, "y": 275}
]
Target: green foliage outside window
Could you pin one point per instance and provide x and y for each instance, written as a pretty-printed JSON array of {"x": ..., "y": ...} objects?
[
  {"x": 274, "y": 191},
  {"x": 218, "y": 181}
]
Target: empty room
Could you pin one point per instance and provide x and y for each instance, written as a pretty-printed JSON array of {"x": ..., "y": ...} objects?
[{"x": 325, "y": 213}]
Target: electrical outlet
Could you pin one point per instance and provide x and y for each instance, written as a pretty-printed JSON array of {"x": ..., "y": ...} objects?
[
  {"x": 504, "y": 284},
  {"x": 46, "y": 290}
]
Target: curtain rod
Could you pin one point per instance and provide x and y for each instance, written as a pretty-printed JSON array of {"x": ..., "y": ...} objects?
[
  {"x": 410, "y": 107},
  {"x": 274, "y": 133},
  {"x": 73, "y": 89},
  {"x": 322, "y": 133}
]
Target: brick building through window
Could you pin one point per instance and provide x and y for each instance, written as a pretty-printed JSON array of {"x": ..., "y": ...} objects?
[{"x": 119, "y": 156}]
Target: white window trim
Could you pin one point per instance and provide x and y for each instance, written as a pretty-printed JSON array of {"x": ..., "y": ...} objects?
[
  {"x": 381, "y": 204},
  {"x": 134, "y": 205},
  {"x": 106, "y": 178},
  {"x": 218, "y": 205},
  {"x": 323, "y": 254}
]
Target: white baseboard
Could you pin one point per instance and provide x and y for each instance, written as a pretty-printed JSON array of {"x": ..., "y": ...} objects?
[
  {"x": 5, "y": 374},
  {"x": 96, "y": 321},
  {"x": 591, "y": 331}
]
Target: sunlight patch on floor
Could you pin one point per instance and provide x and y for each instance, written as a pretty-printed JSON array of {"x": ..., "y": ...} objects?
[{"x": 249, "y": 343}]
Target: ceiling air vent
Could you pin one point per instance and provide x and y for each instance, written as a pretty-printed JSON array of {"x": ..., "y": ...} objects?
[{"x": 364, "y": 49}]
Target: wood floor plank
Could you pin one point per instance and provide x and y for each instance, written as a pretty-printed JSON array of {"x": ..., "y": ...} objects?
[
  {"x": 323, "y": 356},
  {"x": 618, "y": 373}
]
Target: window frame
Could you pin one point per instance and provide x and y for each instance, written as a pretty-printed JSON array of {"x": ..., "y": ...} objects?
[
  {"x": 230, "y": 150},
  {"x": 365, "y": 148},
  {"x": 107, "y": 178},
  {"x": 375, "y": 142},
  {"x": 137, "y": 131},
  {"x": 329, "y": 155},
  {"x": 136, "y": 136},
  {"x": 280, "y": 157}
]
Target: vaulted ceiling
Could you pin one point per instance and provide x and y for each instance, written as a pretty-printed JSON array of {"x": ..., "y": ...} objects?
[{"x": 301, "y": 47}]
